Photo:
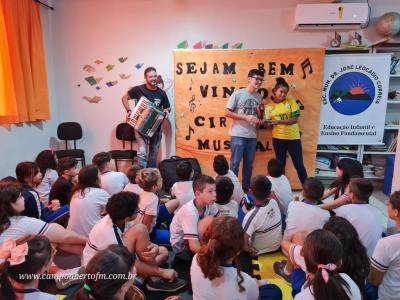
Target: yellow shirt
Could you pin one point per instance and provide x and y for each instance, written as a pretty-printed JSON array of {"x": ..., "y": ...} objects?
[{"x": 282, "y": 111}]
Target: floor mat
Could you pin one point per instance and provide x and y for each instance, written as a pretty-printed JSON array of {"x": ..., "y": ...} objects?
[{"x": 263, "y": 267}]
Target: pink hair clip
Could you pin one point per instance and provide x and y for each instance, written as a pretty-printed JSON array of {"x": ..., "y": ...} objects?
[
  {"x": 324, "y": 268},
  {"x": 12, "y": 253}
]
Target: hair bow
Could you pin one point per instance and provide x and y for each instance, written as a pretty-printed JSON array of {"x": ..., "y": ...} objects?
[
  {"x": 324, "y": 268},
  {"x": 15, "y": 255}
]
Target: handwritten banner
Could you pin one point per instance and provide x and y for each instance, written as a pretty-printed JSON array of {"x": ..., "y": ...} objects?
[{"x": 204, "y": 81}]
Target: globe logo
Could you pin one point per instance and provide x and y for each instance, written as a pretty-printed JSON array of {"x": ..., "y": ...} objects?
[{"x": 351, "y": 93}]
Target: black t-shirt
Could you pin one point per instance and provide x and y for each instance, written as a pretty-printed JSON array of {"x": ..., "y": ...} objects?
[
  {"x": 61, "y": 190},
  {"x": 158, "y": 97}
]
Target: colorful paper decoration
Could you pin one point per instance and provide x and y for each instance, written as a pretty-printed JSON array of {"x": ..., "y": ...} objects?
[
  {"x": 91, "y": 80},
  {"x": 94, "y": 99},
  {"x": 89, "y": 69},
  {"x": 138, "y": 66},
  {"x": 183, "y": 44}
]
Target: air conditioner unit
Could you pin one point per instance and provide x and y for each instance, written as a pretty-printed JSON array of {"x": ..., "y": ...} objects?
[{"x": 331, "y": 16}]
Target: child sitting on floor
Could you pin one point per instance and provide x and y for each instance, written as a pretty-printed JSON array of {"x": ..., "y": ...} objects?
[
  {"x": 88, "y": 201},
  {"x": 116, "y": 228},
  {"x": 29, "y": 176},
  {"x": 224, "y": 203},
  {"x": 385, "y": 260},
  {"x": 306, "y": 215},
  {"x": 47, "y": 164},
  {"x": 185, "y": 224},
  {"x": 62, "y": 188},
  {"x": 30, "y": 258},
  {"x": 151, "y": 212},
  {"x": 110, "y": 181},
  {"x": 221, "y": 167},
  {"x": 365, "y": 218},
  {"x": 215, "y": 272},
  {"x": 183, "y": 189},
  {"x": 323, "y": 254},
  {"x": 262, "y": 224},
  {"x": 281, "y": 190},
  {"x": 115, "y": 259},
  {"x": 132, "y": 186}
]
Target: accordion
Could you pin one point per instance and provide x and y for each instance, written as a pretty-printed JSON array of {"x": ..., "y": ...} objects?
[{"x": 146, "y": 117}]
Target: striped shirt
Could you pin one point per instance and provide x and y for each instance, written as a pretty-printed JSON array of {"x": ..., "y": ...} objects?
[
  {"x": 386, "y": 258},
  {"x": 263, "y": 225},
  {"x": 22, "y": 226}
]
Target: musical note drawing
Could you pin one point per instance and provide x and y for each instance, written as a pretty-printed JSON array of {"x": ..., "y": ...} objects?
[
  {"x": 191, "y": 130},
  {"x": 306, "y": 63},
  {"x": 191, "y": 84},
  {"x": 300, "y": 104},
  {"x": 192, "y": 105}
]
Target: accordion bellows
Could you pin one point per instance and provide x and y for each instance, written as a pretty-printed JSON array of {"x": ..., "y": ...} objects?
[{"x": 146, "y": 117}]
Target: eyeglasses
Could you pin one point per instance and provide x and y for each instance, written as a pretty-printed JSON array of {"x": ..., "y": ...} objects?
[{"x": 258, "y": 78}]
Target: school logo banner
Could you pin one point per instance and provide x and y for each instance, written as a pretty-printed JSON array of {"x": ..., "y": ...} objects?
[
  {"x": 203, "y": 82},
  {"x": 354, "y": 99}
]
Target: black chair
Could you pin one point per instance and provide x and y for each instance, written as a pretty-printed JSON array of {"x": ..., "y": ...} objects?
[
  {"x": 124, "y": 133},
  {"x": 70, "y": 131}
]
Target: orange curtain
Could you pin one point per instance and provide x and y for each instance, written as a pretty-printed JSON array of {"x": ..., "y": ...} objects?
[
  {"x": 26, "y": 54},
  {"x": 8, "y": 102}
]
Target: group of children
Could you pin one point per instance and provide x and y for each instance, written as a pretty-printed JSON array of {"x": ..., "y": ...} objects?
[{"x": 123, "y": 224}]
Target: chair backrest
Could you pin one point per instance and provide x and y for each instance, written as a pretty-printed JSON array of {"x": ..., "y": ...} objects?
[
  {"x": 125, "y": 132},
  {"x": 69, "y": 131}
]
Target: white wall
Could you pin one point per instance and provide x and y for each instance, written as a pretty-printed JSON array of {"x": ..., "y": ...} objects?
[{"x": 78, "y": 32}]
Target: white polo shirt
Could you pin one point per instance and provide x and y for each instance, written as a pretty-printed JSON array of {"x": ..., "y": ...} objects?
[
  {"x": 237, "y": 190},
  {"x": 184, "y": 224},
  {"x": 229, "y": 209},
  {"x": 367, "y": 220},
  {"x": 113, "y": 182},
  {"x": 45, "y": 185},
  {"x": 101, "y": 236},
  {"x": 386, "y": 258},
  {"x": 296, "y": 257},
  {"x": 283, "y": 191},
  {"x": 183, "y": 192},
  {"x": 353, "y": 292},
  {"x": 85, "y": 210},
  {"x": 302, "y": 216},
  {"x": 38, "y": 295},
  {"x": 22, "y": 226},
  {"x": 148, "y": 205},
  {"x": 222, "y": 288},
  {"x": 133, "y": 188},
  {"x": 263, "y": 225}
]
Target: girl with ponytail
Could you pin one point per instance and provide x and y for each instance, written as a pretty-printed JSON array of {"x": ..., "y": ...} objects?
[
  {"x": 323, "y": 254},
  {"x": 215, "y": 271},
  {"x": 21, "y": 262},
  {"x": 283, "y": 114}
]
